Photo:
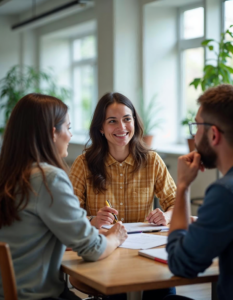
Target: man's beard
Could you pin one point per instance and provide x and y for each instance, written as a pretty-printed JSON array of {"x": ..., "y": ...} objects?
[{"x": 208, "y": 156}]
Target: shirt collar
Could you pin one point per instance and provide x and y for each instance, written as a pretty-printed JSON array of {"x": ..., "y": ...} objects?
[{"x": 110, "y": 160}]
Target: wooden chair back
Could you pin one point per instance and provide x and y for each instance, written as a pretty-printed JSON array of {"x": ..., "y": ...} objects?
[{"x": 7, "y": 273}]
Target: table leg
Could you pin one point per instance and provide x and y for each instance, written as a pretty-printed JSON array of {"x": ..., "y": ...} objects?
[
  {"x": 214, "y": 295},
  {"x": 134, "y": 295}
]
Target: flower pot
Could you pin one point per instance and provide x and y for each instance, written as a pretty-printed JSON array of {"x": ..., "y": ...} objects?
[
  {"x": 148, "y": 140},
  {"x": 191, "y": 144}
]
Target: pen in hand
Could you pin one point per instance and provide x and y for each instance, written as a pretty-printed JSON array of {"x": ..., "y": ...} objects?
[{"x": 109, "y": 205}]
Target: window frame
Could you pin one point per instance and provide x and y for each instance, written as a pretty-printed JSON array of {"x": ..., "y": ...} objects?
[
  {"x": 84, "y": 62},
  {"x": 182, "y": 45}
]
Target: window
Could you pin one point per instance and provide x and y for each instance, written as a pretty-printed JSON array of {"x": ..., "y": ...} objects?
[
  {"x": 228, "y": 8},
  {"x": 193, "y": 26},
  {"x": 228, "y": 21},
  {"x": 84, "y": 83},
  {"x": 191, "y": 56}
]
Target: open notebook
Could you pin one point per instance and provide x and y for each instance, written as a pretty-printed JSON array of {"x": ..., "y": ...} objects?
[{"x": 155, "y": 254}]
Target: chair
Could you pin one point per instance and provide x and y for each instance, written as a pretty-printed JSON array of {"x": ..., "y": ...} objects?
[
  {"x": 7, "y": 273},
  {"x": 82, "y": 287}
]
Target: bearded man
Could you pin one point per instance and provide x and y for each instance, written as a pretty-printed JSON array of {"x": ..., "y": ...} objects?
[{"x": 192, "y": 248}]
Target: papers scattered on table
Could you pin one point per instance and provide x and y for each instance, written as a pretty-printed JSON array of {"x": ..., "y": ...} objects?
[
  {"x": 143, "y": 241},
  {"x": 156, "y": 254},
  {"x": 140, "y": 227}
]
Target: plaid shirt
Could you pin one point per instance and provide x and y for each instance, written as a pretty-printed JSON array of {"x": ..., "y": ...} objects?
[{"x": 132, "y": 194}]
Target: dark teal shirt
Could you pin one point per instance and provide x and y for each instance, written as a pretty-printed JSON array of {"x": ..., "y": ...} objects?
[{"x": 191, "y": 252}]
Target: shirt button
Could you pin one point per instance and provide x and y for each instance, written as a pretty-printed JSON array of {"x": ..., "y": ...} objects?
[
  {"x": 120, "y": 187},
  {"x": 121, "y": 165},
  {"x": 121, "y": 203},
  {"x": 122, "y": 219},
  {"x": 121, "y": 174}
]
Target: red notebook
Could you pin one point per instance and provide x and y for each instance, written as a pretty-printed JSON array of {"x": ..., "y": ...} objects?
[{"x": 155, "y": 254}]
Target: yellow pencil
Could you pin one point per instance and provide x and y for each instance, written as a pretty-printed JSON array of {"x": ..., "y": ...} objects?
[{"x": 109, "y": 205}]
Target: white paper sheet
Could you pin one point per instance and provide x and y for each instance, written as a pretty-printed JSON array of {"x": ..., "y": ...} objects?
[
  {"x": 143, "y": 241},
  {"x": 140, "y": 227}
]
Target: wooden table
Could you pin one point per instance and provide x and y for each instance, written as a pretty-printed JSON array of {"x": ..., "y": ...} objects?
[{"x": 125, "y": 271}]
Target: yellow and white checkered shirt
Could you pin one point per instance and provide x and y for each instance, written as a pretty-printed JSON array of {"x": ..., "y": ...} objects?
[{"x": 132, "y": 194}]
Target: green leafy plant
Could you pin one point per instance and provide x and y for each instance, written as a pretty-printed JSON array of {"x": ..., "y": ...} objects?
[
  {"x": 149, "y": 112},
  {"x": 190, "y": 117},
  {"x": 20, "y": 81},
  {"x": 218, "y": 72}
]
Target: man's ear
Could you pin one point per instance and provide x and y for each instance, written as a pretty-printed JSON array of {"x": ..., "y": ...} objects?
[
  {"x": 54, "y": 135},
  {"x": 215, "y": 135}
]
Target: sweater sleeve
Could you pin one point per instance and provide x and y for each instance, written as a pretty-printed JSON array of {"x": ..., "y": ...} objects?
[
  {"x": 64, "y": 217},
  {"x": 191, "y": 252}
]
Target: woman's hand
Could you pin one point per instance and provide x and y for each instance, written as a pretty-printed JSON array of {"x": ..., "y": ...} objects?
[
  {"x": 158, "y": 217},
  {"x": 115, "y": 237},
  {"x": 104, "y": 217},
  {"x": 118, "y": 232}
]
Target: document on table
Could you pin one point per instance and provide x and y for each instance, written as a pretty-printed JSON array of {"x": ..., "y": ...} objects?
[
  {"x": 143, "y": 241},
  {"x": 140, "y": 227}
]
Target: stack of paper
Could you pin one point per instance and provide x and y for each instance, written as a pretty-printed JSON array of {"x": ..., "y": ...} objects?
[
  {"x": 140, "y": 227},
  {"x": 143, "y": 241}
]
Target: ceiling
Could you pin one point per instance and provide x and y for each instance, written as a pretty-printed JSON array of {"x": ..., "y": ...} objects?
[{"x": 12, "y": 7}]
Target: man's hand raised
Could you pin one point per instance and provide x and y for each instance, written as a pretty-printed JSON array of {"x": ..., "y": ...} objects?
[{"x": 188, "y": 167}]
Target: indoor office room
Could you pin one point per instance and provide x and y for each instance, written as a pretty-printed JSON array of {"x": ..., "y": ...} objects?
[{"x": 156, "y": 53}]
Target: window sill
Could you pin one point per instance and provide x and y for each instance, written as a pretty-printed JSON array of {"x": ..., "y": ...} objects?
[{"x": 171, "y": 149}]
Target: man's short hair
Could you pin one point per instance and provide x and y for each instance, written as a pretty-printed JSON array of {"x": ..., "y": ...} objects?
[{"x": 217, "y": 108}]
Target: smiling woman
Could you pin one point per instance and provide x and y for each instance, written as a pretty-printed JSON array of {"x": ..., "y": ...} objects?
[
  {"x": 118, "y": 129},
  {"x": 119, "y": 167}
]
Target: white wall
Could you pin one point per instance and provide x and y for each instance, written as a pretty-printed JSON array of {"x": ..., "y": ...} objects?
[
  {"x": 104, "y": 12},
  {"x": 128, "y": 49},
  {"x": 160, "y": 65}
]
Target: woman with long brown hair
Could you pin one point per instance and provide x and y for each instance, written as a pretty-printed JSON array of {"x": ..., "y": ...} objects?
[
  {"x": 39, "y": 214},
  {"x": 117, "y": 166}
]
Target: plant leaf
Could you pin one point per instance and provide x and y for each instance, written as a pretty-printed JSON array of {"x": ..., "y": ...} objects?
[{"x": 206, "y": 42}]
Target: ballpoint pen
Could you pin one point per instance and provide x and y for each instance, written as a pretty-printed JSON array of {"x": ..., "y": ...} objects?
[{"x": 109, "y": 205}]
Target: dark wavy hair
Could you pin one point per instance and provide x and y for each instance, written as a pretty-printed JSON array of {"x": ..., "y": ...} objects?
[
  {"x": 97, "y": 152},
  {"x": 28, "y": 138}
]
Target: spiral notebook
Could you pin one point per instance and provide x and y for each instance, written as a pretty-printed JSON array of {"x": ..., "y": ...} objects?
[{"x": 155, "y": 254}]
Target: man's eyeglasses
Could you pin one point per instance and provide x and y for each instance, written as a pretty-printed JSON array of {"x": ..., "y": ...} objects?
[{"x": 193, "y": 127}]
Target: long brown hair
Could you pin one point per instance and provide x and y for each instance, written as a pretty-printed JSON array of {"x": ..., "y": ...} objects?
[
  {"x": 28, "y": 138},
  {"x": 97, "y": 152}
]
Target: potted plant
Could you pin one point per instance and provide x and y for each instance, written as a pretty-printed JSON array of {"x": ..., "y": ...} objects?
[
  {"x": 149, "y": 114},
  {"x": 214, "y": 73},
  {"x": 20, "y": 81},
  {"x": 185, "y": 122},
  {"x": 218, "y": 72}
]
